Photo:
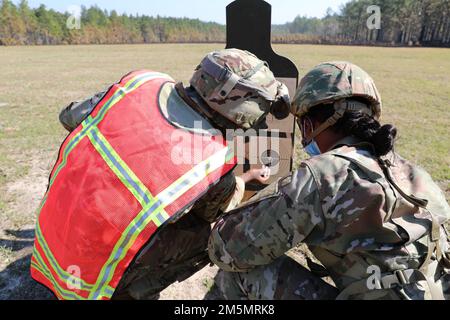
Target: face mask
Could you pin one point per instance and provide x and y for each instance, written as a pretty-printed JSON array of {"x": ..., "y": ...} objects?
[{"x": 312, "y": 149}]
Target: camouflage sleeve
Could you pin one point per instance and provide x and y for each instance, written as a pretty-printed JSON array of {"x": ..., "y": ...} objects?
[
  {"x": 224, "y": 196},
  {"x": 76, "y": 112},
  {"x": 260, "y": 231}
]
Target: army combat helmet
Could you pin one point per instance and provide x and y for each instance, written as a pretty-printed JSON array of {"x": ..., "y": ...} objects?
[
  {"x": 238, "y": 86},
  {"x": 344, "y": 85}
]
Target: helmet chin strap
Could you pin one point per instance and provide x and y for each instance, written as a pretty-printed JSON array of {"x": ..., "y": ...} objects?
[{"x": 341, "y": 107}]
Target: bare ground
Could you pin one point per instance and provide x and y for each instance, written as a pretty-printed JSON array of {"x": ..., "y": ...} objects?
[{"x": 17, "y": 232}]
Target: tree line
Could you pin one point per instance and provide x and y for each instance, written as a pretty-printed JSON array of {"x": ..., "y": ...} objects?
[
  {"x": 402, "y": 22},
  {"x": 22, "y": 25}
]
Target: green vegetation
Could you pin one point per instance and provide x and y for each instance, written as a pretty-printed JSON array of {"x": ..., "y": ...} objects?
[
  {"x": 21, "y": 25},
  {"x": 403, "y": 22},
  {"x": 208, "y": 283}
]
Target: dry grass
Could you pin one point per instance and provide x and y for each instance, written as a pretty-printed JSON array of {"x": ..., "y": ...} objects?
[{"x": 36, "y": 82}]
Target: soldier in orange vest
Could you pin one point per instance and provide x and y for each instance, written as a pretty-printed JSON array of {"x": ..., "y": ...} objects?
[{"x": 125, "y": 214}]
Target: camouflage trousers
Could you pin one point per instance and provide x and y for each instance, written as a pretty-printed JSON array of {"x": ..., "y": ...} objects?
[
  {"x": 284, "y": 279},
  {"x": 175, "y": 253}
]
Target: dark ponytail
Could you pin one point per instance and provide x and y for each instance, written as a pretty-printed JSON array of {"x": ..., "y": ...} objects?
[
  {"x": 369, "y": 130},
  {"x": 360, "y": 125}
]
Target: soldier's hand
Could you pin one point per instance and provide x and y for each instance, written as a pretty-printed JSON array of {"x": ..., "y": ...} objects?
[{"x": 261, "y": 175}]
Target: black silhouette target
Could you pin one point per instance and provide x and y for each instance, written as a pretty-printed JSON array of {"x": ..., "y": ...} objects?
[{"x": 249, "y": 24}]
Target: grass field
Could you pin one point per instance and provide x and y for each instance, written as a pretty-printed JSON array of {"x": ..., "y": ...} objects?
[{"x": 36, "y": 82}]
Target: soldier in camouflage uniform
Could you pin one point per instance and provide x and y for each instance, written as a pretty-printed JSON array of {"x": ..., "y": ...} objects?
[
  {"x": 230, "y": 89},
  {"x": 374, "y": 221}
]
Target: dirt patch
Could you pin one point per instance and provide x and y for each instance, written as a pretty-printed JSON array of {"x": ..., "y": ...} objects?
[
  {"x": 25, "y": 194},
  {"x": 17, "y": 231},
  {"x": 199, "y": 287}
]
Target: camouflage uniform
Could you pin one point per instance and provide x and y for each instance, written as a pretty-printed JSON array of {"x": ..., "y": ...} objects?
[
  {"x": 325, "y": 205},
  {"x": 353, "y": 210},
  {"x": 179, "y": 249}
]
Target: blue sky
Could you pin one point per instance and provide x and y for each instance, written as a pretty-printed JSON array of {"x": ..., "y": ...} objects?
[{"x": 206, "y": 10}]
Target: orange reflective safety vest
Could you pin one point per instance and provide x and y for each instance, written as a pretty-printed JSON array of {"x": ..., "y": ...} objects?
[{"x": 114, "y": 184}]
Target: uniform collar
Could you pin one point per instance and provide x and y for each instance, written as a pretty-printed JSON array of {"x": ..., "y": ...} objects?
[{"x": 347, "y": 141}]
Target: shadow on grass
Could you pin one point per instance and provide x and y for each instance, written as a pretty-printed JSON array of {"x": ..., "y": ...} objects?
[
  {"x": 15, "y": 280},
  {"x": 24, "y": 239},
  {"x": 22, "y": 234},
  {"x": 16, "y": 283}
]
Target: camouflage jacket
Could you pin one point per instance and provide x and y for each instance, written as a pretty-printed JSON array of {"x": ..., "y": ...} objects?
[{"x": 341, "y": 205}]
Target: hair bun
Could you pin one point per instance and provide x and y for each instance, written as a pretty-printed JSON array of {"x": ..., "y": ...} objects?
[{"x": 384, "y": 139}]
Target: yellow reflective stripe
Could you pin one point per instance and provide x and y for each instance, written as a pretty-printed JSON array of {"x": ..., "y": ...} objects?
[
  {"x": 165, "y": 198},
  {"x": 90, "y": 122},
  {"x": 120, "y": 168},
  {"x": 38, "y": 268},
  {"x": 62, "y": 274},
  {"x": 125, "y": 242},
  {"x": 89, "y": 125},
  {"x": 194, "y": 176},
  {"x": 68, "y": 295}
]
